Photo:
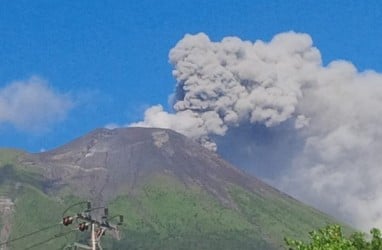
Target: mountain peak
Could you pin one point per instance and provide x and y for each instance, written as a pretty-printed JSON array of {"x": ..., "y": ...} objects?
[
  {"x": 171, "y": 189},
  {"x": 104, "y": 161}
]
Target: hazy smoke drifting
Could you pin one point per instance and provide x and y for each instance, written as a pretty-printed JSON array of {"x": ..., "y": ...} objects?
[{"x": 314, "y": 131}]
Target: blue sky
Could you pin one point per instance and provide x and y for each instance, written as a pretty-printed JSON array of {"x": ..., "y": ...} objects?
[{"x": 111, "y": 59}]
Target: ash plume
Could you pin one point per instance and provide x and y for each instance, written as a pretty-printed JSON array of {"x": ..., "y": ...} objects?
[{"x": 310, "y": 129}]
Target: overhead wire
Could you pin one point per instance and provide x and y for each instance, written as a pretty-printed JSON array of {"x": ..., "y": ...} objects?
[
  {"x": 29, "y": 234},
  {"x": 73, "y": 205},
  {"x": 58, "y": 235},
  {"x": 61, "y": 234},
  {"x": 50, "y": 239}
]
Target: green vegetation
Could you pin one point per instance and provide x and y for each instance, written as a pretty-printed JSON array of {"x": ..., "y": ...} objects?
[
  {"x": 8, "y": 156},
  {"x": 32, "y": 209},
  {"x": 162, "y": 213},
  {"x": 14, "y": 173},
  {"x": 167, "y": 215},
  {"x": 332, "y": 238},
  {"x": 275, "y": 216}
]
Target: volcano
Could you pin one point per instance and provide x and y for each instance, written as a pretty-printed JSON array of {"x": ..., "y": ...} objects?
[{"x": 173, "y": 192}]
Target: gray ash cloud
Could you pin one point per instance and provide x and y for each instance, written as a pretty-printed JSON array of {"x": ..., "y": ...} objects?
[{"x": 312, "y": 130}]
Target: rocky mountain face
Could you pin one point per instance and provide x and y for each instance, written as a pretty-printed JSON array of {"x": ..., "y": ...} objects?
[
  {"x": 106, "y": 162},
  {"x": 174, "y": 193}
]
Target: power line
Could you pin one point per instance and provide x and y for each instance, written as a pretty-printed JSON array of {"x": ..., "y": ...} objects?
[
  {"x": 43, "y": 229},
  {"x": 76, "y": 204},
  {"x": 29, "y": 234},
  {"x": 98, "y": 228},
  {"x": 84, "y": 220},
  {"x": 50, "y": 239}
]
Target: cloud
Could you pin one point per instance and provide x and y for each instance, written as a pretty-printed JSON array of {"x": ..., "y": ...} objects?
[
  {"x": 32, "y": 106},
  {"x": 187, "y": 122},
  {"x": 340, "y": 162},
  {"x": 312, "y": 130},
  {"x": 225, "y": 84}
]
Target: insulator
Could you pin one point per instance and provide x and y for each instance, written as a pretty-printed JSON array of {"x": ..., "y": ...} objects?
[
  {"x": 83, "y": 226},
  {"x": 67, "y": 220},
  {"x": 120, "y": 220}
]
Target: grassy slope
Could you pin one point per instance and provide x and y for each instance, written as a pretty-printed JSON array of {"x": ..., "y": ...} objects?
[
  {"x": 279, "y": 217},
  {"x": 33, "y": 209},
  {"x": 162, "y": 215},
  {"x": 166, "y": 215}
]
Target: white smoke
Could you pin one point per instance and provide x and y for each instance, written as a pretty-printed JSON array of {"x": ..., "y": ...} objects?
[
  {"x": 279, "y": 92},
  {"x": 31, "y": 105}
]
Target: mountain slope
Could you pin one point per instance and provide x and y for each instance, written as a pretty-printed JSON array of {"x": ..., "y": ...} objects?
[{"x": 174, "y": 193}]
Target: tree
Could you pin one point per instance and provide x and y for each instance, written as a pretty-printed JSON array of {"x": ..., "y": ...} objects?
[{"x": 332, "y": 238}]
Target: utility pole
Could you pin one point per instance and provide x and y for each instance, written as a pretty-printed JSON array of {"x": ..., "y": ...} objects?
[
  {"x": 93, "y": 238},
  {"x": 98, "y": 228}
]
